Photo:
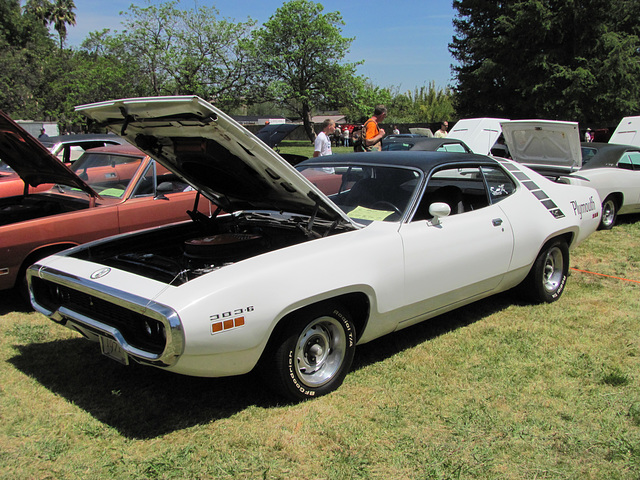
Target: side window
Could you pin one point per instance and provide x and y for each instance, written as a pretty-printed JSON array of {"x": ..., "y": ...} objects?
[
  {"x": 499, "y": 183},
  {"x": 463, "y": 189},
  {"x": 451, "y": 147},
  {"x": 146, "y": 184},
  {"x": 630, "y": 161},
  {"x": 159, "y": 180}
]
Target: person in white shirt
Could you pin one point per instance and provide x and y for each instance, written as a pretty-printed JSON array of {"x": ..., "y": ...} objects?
[
  {"x": 322, "y": 145},
  {"x": 442, "y": 133}
]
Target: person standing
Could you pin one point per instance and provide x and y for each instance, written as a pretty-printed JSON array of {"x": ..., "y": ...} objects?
[
  {"x": 345, "y": 136},
  {"x": 43, "y": 134},
  {"x": 373, "y": 134},
  {"x": 588, "y": 135},
  {"x": 396, "y": 131},
  {"x": 322, "y": 145},
  {"x": 442, "y": 133}
]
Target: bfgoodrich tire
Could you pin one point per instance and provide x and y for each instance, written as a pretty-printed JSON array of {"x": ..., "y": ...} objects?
[
  {"x": 313, "y": 353},
  {"x": 548, "y": 276}
]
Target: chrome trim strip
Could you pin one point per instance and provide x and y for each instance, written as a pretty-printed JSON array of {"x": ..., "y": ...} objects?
[{"x": 174, "y": 346}]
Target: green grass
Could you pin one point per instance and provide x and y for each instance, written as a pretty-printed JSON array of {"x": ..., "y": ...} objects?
[
  {"x": 305, "y": 148},
  {"x": 495, "y": 390}
]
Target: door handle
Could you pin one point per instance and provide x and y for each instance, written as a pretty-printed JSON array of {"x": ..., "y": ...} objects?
[{"x": 496, "y": 222}]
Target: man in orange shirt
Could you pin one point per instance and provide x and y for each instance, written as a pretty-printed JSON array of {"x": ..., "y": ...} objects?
[{"x": 372, "y": 133}]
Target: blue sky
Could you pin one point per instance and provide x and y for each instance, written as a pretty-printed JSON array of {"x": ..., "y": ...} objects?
[{"x": 404, "y": 43}]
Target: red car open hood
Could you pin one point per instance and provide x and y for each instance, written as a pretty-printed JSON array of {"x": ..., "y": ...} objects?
[{"x": 32, "y": 161}]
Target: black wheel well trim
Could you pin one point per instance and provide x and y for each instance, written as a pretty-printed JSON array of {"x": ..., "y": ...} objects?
[
  {"x": 617, "y": 197},
  {"x": 357, "y": 303},
  {"x": 567, "y": 237}
]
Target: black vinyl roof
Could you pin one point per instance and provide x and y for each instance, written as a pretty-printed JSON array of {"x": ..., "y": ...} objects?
[
  {"x": 421, "y": 160},
  {"x": 607, "y": 154}
]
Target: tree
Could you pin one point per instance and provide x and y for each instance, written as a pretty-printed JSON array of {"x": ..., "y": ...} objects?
[
  {"x": 559, "y": 59},
  {"x": 62, "y": 15},
  {"x": 299, "y": 53},
  {"x": 183, "y": 51},
  {"x": 425, "y": 104},
  {"x": 25, "y": 48},
  {"x": 59, "y": 14}
]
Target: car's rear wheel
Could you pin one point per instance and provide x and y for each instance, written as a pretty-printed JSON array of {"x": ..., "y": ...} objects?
[
  {"x": 313, "y": 353},
  {"x": 609, "y": 214},
  {"x": 548, "y": 276}
]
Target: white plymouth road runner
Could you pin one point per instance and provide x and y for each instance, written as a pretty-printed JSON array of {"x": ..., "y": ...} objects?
[
  {"x": 553, "y": 149},
  {"x": 296, "y": 268}
]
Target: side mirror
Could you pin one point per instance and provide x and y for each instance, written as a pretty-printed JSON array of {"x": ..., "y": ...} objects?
[{"x": 438, "y": 210}]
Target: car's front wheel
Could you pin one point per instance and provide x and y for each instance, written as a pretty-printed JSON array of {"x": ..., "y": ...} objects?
[
  {"x": 548, "y": 275},
  {"x": 313, "y": 353},
  {"x": 609, "y": 214}
]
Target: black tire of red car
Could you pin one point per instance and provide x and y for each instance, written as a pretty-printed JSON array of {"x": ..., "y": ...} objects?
[
  {"x": 609, "y": 214},
  {"x": 313, "y": 353},
  {"x": 548, "y": 275}
]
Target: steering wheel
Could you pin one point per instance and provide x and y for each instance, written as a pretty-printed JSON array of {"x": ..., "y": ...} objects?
[{"x": 382, "y": 203}]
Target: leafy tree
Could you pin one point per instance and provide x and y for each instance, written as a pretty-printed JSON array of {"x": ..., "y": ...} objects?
[
  {"x": 565, "y": 59},
  {"x": 182, "y": 51},
  {"x": 62, "y": 15},
  {"x": 300, "y": 52},
  {"x": 25, "y": 56},
  {"x": 425, "y": 104},
  {"x": 59, "y": 14},
  {"x": 363, "y": 97}
]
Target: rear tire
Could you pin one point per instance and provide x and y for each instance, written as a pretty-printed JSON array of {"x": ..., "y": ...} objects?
[
  {"x": 548, "y": 276},
  {"x": 313, "y": 354},
  {"x": 609, "y": 214}
]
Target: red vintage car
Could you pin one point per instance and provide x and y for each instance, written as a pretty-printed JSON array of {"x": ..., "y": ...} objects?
[
  {"x": 108, "y": 190},
  {"x": 68, "y": 148}
]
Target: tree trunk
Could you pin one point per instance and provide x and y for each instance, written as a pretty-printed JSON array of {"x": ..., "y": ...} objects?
[{"x": 306, "y": 121}]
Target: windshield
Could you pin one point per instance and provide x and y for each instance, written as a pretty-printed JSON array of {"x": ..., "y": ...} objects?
[
  {"x": 108, "y": 174},
  {"x": 366, "y": 193}
]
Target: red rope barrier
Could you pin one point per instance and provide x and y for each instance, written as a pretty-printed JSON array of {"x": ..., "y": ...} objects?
[{"x": 603, "y": 275}]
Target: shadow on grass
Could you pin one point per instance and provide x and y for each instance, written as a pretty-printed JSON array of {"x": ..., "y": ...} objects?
[
  {"x": 391, "y": 344},
  {"x": 628, "y": 219},
  {"x": 11, "y": 301},
  {"x": 144, "y": 402}
]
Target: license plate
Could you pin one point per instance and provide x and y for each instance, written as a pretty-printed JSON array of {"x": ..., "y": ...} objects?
[{"x": 112, "y": 349}]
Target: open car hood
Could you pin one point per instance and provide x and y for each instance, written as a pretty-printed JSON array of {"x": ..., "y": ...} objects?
[
  {"x": 208, "y": 149},
  {"x": 478, "y": 133},
  {"x": 273, "y": 134},
  {"x": 544, "y": 143},
  {"x": 32, "y": 161},
  {"x": 627, "y": 132}
]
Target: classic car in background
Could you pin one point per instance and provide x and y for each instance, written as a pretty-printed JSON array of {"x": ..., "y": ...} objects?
[
  {"x": 554, "y": 149},
  {"x": 109, "y": 190},
  {"x": 479, "y": 134},
  {"x": 471, "y": 135},
  {"x": 67, "y": 148},
  {"x": 432, "y": 144},
  {"x": 290, "y": 280}
]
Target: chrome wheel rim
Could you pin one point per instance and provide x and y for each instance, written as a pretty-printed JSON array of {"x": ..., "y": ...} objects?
[
  {"x": 319, "y": 352},
  {"x": 608, "y": 213},
  {"x": 553, "y": 270}
]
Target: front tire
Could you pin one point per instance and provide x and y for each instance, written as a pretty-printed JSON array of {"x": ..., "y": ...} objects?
[
  {"x": 609, "y": 214},
  {"x": 314, "y": 352},
  {"x": 548, "y": 276}
]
